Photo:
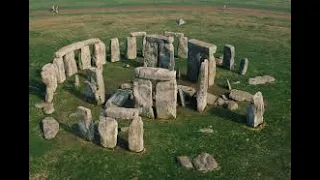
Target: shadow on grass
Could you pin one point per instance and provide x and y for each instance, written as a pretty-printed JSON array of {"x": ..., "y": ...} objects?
[
  {"x": 37, "y": 88},
  {"x": 229, "y": 115},
  {"x": 122, "y": 143}
]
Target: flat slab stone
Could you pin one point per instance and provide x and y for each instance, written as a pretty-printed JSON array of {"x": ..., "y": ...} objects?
[
  {"x": 121, "y": 112},
  {"x": 261, "y": 80},
  {"x": 151, "y": 73},
  {"x": 205, "y": 162}
]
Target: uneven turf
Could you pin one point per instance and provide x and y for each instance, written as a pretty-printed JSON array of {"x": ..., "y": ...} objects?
[{"x": 263, "y": 37}]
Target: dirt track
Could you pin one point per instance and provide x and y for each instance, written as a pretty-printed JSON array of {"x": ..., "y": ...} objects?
[{"x": 204, "y": 9}]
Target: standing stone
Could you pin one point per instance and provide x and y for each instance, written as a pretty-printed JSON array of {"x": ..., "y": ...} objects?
[
  {"x": 243, "y": 66},
  {"x": 108, "y": 131},
  {"x": 144, "y": 42},
  {"x": 96, "y": 77},
  {"x": 166, "y": 99},
  {"x": 181, "y": 96},
  {"x": 85, "y": 58},
  {"x": 99, "y": 54},
  {"x": 228, "y": 56},
  {"x": 256, "y": 110},
  {"x": 142, "y": 93},
  {"x": 131, "y": 47},
  {"x": 204, "y": 162},
  {"x": 50, "y": 127},
  {"x": 70, "y": 64},
  {"x": 85, "y": 123},
  {"x": 76, "y": 81},
  {"x": 59, "y": 68},
  {"x": 183, "y": 47},
  {"x": 49, "y": 78},
  {"x": 166, "y": 55},
  {"x": 202, "y": 86},
  {"x": 151, "y": 53},
  {"x": 114, "y": 50},
  {"x": 211, "y": 71},
  {"x": 119, "y": 98},
  {"x": 135, "y": 135}
]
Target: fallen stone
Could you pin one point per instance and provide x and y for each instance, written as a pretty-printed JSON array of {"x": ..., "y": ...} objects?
[
  {"x": 152, "y": 73},
  {"x": 220, "y": 102},
  {"x": 206, "y": 130},
  {"x": 261, "y": 80},
  {"x": 187, "y": 90},
  {"x": 239, "y": 95},
  {"x": 185, "y": 162},
  {"x": 211, "y": 99},
  {"x": 243, "y": 66},
  {"x": 50, "y": 127},
  {"x": 135, "y": 135},
  {"x": 233, "y": 106},
  {"x": 236, "y": 82},
  {"x": 204, "y": 162},
  {"x": 48, "y": 108},
  {"x": 256, "y": 110},
  {"x": 203, "y": 87},
  {"x": 108, "y": 131},
  {"x": 121, "y": 112},
  {"x": 126, "y": 86},
  {"x": 119, "y": 98},
  {"x": 114, "y": 50}
]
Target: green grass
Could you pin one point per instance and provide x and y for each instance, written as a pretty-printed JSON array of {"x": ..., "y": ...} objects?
[{"x": 241, "y": 152}]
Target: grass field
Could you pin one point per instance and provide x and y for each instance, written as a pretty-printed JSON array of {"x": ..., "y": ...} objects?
[{"x": 260, "y": 30}]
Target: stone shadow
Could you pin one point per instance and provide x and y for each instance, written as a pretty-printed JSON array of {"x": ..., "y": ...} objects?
[
  {"x": 37, "y": 88},
  {"x": 229, "y": 115}
]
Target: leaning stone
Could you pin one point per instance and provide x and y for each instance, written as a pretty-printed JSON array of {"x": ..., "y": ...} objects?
[
  {"x": 183, "y": 47},
  {"x": 135, "y": 135},
  {"x": 187, "y": 90},
  {"x": 243, "y": 66},
  {"x": 229, "y": 85},
  {"x": 70, "y": 64},
  {"x": 166, "y": 99},
  {"x": 211, "y": 99},
  {"x": 119, "y": 98},
  {"x": 114, "y": 50},
  {"x": 204, "y": 162},
  {"x": 239, "y": 95},
  {"x": 108, "y": 131},
  {"x": 152, "y": 73},
  {"x": 256, "y": 110},
  {"x": 50, "y": 127},
  {"x": 181, "y": 96},
  {"x": 136, "y": 34},
  {"x": 85, "y": 123},
  {"x": 99, "y": 54},
  {"x": 261, "y": 80},
  {"x": 85, "y": 58},
  {"x": 97, "y": 84},
  {"x": 48, "y": 108},
  {"x": 185, "y": 162},
  {"x": 121, "y": 112},
  {"x": 202, "y": 87},
  {"x": 233, "y": 106},
  {"x": 59, "y": 68},
  {"x": 131, "y": 47},
  {"x": 126, "y": 86},
  {"x": 228, "y": 56}
]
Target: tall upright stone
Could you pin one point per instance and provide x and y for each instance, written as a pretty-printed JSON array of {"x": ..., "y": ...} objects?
[
  {"x": 228, "y": 56},
  {"x": 70, "y": 64},
  {"x": 135, "y": 135},
  {"x": 131, "y": 47},
  {"x": 243, "y": 66},
  {"x": 119, "y": 98},
  {"x": 202, "y": 86},
  {"x": 144, "y": 42},
  {"x": 49, "y": 78},
  {"x": 151, "y": 52},
  {"x": 85, "y": 58},
  {"x": 166, "y": 54},
  {"x": 212, "y": 69},
  {"x": 142, "y": 93},
  {"x": 108, "y": 131},
  {"x": 97, "y": 83},
  {"x": 59, "y": 69},
  {"x": 85, "y": 123},
  {"x": 114, "y": 50},
  {"x": 183, "y": 47},
  {"x": 143, "y": 35},
  {"x": 166, "y": 99},
  {"x": 99, "y": 54},
  {"x": 256, "y": 110}
]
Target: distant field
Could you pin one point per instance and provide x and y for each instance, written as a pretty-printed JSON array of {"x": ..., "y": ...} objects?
[{"x": 263, "y": 36}]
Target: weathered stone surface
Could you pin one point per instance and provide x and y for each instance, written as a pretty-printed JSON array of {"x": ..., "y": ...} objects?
[
  {"x": 131, "y": 47},
  {"x": 70, "y": 64},
  {"x": 99, "y": 54},
  {"x": 140, "y": 33},
  {"x": 239, "y": 95},
  {"x": 126, "y": 86},
  {"x": 124, "y": 129},
  {"x": 74, "y": 46},
  {"x": 97, "y": 84},
  {"x": 212, "y": 69},
  {"x": 183, "y": 47},
  {"x": 119, "y": 98},
  {"x": 220, "y": 102},
  {"x": 181, "y": 97},
  {"x": 243, "y": 66},
  {"x": 114, "y": 50},
  {"x": 187, "y": 90},
  {"x": 166, "y": 56},
  {"x": 144, "y": 42},
  {"x": 59, "y": 69},
  {"x": 76, "y": 80},
  {"x": 224, "y": 97},
  {"x": 228, "y": 56},
  {"x": 166, "y": 99},
  {"x": 219, "y": 61},
  {"x": 211, "y": 99},
  {"x": 229, "y": 85},
  {"x": 197, "y": 52},
  {"x": 49, "y": 78},
  {"x": 261, "y": 80},
  {"x": 85, "y": 123},
  {"x": 233, "y": 106},
  {"x": 256, "y": 110},
  {"x": 85, "y": 58},
  {"x": 154, "y": 73},
  {"x": 49, "y": 94},
  {"x": 185, "y": 162},
  {"x": 206, "y": 130},
  {"x": 48, "y": 108},
  {"x": 176, "y": 34},
  {"x": 50, "y": 127},
  {"x": 204, "y": 162},
  {"x": 150, "y": 53},
  {"x": 202, "y": 87},
  {"x": 108, "y": 131},
  {"x": 142, "y": 93},
  {"x": 121, "y": 112},
  {"x": 135, "y": 135}
]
